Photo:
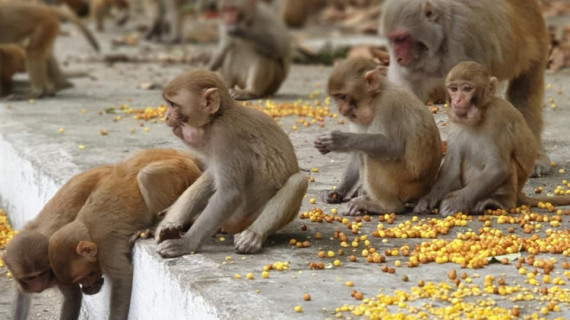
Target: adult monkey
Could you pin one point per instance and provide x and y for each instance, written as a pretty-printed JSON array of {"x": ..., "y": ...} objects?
[
  {"x": 508, "y": 37},
  {"x": 490, "y": 152},
  {"x": 254, "y": 53},
  {"x": 251, "y": 187}
]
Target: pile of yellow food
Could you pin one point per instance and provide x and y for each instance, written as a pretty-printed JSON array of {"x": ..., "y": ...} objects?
[{"x": 6, "y": 231}]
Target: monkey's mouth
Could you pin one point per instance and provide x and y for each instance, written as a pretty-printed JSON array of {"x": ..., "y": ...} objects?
[{"x": 94, "y": 287}]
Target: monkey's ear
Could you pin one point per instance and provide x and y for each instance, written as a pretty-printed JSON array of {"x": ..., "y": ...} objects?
[
  {"x": 211, "y": 100},
  {"x": 372, "y": 79},
  {"x": 87, "y": 249},
  {"x": 492, "y": 86},
  {"x": 429, "y": 12}
]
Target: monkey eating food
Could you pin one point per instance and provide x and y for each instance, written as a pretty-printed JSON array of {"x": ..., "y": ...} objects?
[
  {"x": 251, "y": 187},
  {"x": 254, "y": 53},
  {"x": 490, "y": 151},
  {"x": 394, "y": 141}
]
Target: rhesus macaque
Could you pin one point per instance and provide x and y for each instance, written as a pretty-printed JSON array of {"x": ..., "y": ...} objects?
[
  {"x": 98, "y": 9},
  {"x": 37, "y": 26},
  {"x": 251, "y": 187},
  {"x": 508, "y": 37},
  {"x": 394, "y": 141},
  {"x": 254, "y": 53},
  {"x": 12, "y": 61},
  {"x": 490, "y": 150},
  {"x": 166, "y": 18},
  {"x": 129, "y": 199},
  {"x": 26, "y": 255}
]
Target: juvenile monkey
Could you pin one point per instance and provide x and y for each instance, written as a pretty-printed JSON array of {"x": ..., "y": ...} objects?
[
  {"x": 428, "y": 37},
  {"x": 251, "y": 187},
  {"x": 129, "y": 199},
  {"x": 254, "y": 53},
  {"x": 12, "y": 61},
  {"x": 37, "y": 25},
  {"x": 394, "y": 141},
  {"x": 490, "y": 150},
  {"x": 26, "y": 255},
  {"x": 98, "y": 9}
]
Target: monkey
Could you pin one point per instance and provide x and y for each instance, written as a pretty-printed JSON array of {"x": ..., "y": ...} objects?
[
  {"x": 490, "y": 150},
  {"x": 254, "y": 53},
  {"x": 428, "y": 37},
  {"x": 99, "y": 8},
  {"x": 12, "y": 61},
  {"x": 26, "y": 255},
  {"x": 98, "y": 241},
  {"x": 394, "y": 142},
  {"x": 38, "y": 25},
  {"x": 252, "y": 185}
]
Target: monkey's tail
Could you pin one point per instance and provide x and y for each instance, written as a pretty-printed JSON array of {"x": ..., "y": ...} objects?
[
  {"x": 533, "y": 201},
  {"x": 71, "y": 17}
]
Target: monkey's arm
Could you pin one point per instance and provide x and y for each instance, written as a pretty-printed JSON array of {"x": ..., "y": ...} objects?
[
  {"x": 265, "y": 42},
  {"x": 121, "y": 274},
  {"x": 218, "y": 58},
  {"x": 349, "y": 179},
  {"x": 371, "y": 144},
  {"x": 188, "y": 205},
  {"x": 220, "y": 207},
  {"x": 21, "y": 306},
  {"x": 71, "y": 303}
]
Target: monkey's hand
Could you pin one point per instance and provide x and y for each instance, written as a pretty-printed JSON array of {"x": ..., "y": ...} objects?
[
  {"x": 168, "y": 231},
  {"x": 426, "y": 205},
  {"x": 248, "y": 242},
  {"x": 334, "y": 196},
  {"x": 332, "y": 141},
  {"x": 175, "y": 248},
  {"x": 453, "y": 204}
]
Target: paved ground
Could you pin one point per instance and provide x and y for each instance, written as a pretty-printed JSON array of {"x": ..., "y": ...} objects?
[{"x": 76, "y": 110}]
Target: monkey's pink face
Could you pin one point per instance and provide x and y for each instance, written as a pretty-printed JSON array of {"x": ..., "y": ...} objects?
[
  {"x": 462, "y": 100},
  {"x": 404, "y": 46},
  {"x": 37, "y": 282}
]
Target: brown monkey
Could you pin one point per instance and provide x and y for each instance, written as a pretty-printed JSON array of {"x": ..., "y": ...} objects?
[
  {"x": 251, "y": 187},
  {"x": 37, "y": 25},
  {"x": 490, "y": 151},
  {"x": 254, "y": 53},
  {"x": 98, "y": 9},
  {"x": 429, "y": 37},
  {"x": 26, "y": 256},
  {"x": 98, "y": 242},
  {"x": 395, "y": 143},
  {"x": 12, "y": 61}
]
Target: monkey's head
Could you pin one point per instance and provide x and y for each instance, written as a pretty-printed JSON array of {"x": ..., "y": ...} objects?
[
  {"x": 414, "y": 29},
  {"x": 354, "y": 84},
  {"x": 193, "y": 99},
  {"x": 26, "y": 257},
  {"x": 237, "y": 14},
  {"x": 73, "y": 258},
  {"x": 470, "y": 88}
]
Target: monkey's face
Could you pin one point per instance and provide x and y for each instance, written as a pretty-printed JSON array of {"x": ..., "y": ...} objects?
[
  {"x": 235, "y": 16},
  {"x": 463, "y": 100},
  {"x": 85, "y": 272},
  {"x": 36, "y": 282},
  {"x": 356, "y": 111}
]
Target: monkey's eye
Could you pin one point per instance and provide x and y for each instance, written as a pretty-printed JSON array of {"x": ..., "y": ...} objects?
[
  {"x": 452, "y": 89},
  {"x": 467, "y": 89},
  {"x": 340, "y": 97}
]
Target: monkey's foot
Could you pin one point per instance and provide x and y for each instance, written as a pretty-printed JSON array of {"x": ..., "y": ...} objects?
[
  {"x": 238, "y": 94},
  {"x": 173, "y": 248},
  {"x": 451, "y": 206},
  {"x": 542, "y": 166},
  {"x": 248, "y": 242},
  {"x": 143, "y": 234},
  {"x": 361, "y": 205},
  {"x": 169, "y": 230},
  {"x": 483, "y": 205}
]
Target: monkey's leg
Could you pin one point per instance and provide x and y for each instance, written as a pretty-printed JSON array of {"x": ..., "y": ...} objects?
[
  {"x": 162, "y": 182},
  {"x": 526, "y": 93},
  {"x": 37, "y": 54},
  {"x": 21, "y": 306},
  {"x": 55, "y": 75},
  {"x": 71, "y": 301},
  {"x": 125, "y": 15},
  {"x": 97, "y": 10},
  {"x": 120, "y": 270},
  {"x": 349, "y": 179},
  {"x": 278, "y": 212},
  {"x": 362, "y": 204},
  {"x": 260, "y": 79},
  {"x": 174, "y": 10},
  {"x": 189, "y": 204}
]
